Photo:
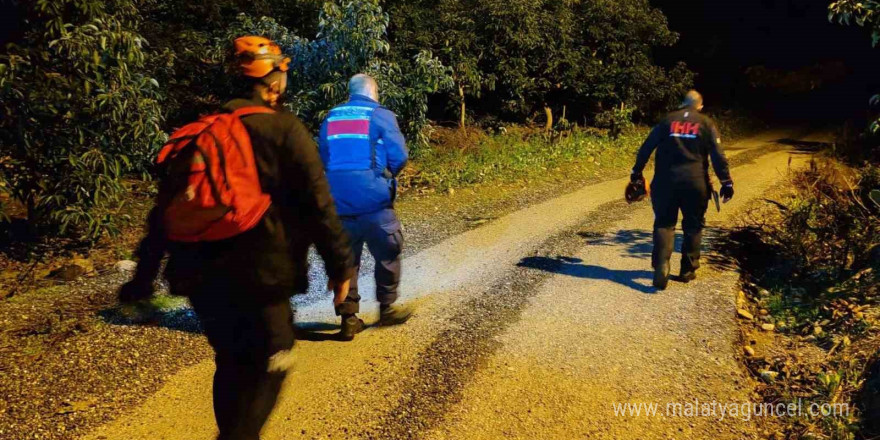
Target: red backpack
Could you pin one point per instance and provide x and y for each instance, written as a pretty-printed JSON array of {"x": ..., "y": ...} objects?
[{"x": 211, "y": 189}]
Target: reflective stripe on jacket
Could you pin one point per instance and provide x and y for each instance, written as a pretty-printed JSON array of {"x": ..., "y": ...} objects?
[{"x": 362, "y": 149}]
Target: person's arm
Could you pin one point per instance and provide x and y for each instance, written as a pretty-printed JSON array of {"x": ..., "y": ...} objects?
[
  {"x": 390, "y": 135},
  {"x": 719, "y": 162},
  {"x": 313, "y": 195},
  {"x": 716, "y": 153},
  {"x": 647, "y": 149},
  {"x": 149, "y": 253}
]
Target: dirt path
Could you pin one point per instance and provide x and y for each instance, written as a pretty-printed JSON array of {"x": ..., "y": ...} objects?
[{"x": 512, "y": 341}]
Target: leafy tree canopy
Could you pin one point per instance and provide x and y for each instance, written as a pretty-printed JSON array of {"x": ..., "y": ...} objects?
[
  {"x": 77, "y": 111},
  {"x": 90, "y": 88},
  {"x": 864, "y": 13}
]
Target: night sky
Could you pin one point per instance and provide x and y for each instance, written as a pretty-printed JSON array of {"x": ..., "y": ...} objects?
[{"x": 721, "y": 38}]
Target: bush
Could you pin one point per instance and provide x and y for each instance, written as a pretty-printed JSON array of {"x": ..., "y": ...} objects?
[
  {"x": 351, "y": 39},
  {"x": 829, "y": 226},
  {"x": 77, "y": 113}
]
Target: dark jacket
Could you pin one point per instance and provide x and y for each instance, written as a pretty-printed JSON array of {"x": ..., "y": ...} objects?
[
  {"x": 272, "y": 257},
  {"x": 685, "y": 141},
  {"x": 363, "y": 151}
]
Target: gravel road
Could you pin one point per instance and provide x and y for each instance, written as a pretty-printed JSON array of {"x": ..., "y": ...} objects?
[{"x": 530, "y": 326}]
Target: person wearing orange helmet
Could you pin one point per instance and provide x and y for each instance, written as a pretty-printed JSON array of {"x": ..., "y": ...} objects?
[
  {"x": 240, "y": 287},
  {"x": 259, "y": 56}
]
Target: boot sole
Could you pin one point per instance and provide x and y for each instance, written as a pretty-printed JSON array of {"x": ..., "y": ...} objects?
[
  {"x": 393, "y": 322},
  {"x": 687, "y": 278}
]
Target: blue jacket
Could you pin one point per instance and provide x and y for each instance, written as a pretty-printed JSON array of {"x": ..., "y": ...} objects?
[{"x": 363, "y": 151}]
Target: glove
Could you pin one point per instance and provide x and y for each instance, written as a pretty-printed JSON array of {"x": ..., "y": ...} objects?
[
  {"x": 134, "y": 291},
  {"x": 726, "y": 192},
  {"x": 636, "y": 192},
  {"x": 637, "y": 178}
]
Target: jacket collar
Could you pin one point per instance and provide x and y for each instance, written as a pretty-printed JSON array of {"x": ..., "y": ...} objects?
[
  {"x": 236, "y": 104},
  {"x": 359, "y": 97}
]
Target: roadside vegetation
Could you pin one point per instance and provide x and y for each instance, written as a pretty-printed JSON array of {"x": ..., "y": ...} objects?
[
  {"x": 89, "y": 89},
  {"x": 810, "y": 257}
]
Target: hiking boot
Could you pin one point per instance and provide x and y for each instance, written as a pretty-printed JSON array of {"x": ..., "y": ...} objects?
[
  {"x": 661, "y": 276},
  {"x": 393, "y": 315},
  {"x": 687, "y": 276},
  {"x": 351, "y": 325}
]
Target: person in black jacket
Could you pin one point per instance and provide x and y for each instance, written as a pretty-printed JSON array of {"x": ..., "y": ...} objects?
[
  {"x": 685, "y": 141},
  {"x": 240, "y": 287}
]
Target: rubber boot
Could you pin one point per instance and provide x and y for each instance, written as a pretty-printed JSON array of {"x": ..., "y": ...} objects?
[
  {"x": 351, "y": 325},
  {"x": 661, "y": 275},
  {"x": 393, "y": 315},
  {"x": 687, "y": 276}
]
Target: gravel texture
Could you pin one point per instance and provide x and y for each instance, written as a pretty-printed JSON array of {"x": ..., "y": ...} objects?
[
  {"x": 65, "y": 369},
  {"x": 69, "y": 362},
  {"x": 494, "y": 336}
]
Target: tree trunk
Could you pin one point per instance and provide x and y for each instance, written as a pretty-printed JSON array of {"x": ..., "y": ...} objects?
[
  {"x": 32, "y": 220},
  {"x": 549, "y": 113},
  {"x": 463, "y": 120}
]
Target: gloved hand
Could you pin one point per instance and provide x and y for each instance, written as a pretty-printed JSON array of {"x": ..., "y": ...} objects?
[
  {"x": 134, "y": 291},
  {"x": 637, "y": 178},
  {"x": 726, "y": 192}
]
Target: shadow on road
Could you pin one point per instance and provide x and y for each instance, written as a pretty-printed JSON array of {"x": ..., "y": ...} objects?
[
  {"x": 185, "y": 320},
  {"x": 635, "y": 243},
  {"x": 317, "y": 331},
  {"x": 182, "y": 320},
  {"x": 720, "y": 248},
  {"x": 574, "y": 267},
  {"x": 804, "y": 146}
]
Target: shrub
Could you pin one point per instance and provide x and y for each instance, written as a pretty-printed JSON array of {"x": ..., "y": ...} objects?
[
  {"x": 829, "y": 226},
  {"x": 77, "y": 112},
  {"x": 351, "y": 39}
]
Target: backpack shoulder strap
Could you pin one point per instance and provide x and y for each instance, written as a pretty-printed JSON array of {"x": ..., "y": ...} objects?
[{"x": 252, "y": 110}]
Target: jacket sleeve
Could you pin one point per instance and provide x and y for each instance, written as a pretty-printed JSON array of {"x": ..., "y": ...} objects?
[
  {"x": 395, "y": 144},
  {"x": 151, "y": 250},
  {"x": 313, "y": 197},
  {"x": 716, "y": 153},
  {"x": 648, "y": 148},
  {"x": 323, "y": 146}
]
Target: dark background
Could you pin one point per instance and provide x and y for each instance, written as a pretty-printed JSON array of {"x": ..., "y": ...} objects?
[
  {"x": 10, "y": 21},
  {"x": 722, "y": 38}
]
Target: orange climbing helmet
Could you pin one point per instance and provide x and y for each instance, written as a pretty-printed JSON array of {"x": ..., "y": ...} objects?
[{"x": 259, "y": 56}]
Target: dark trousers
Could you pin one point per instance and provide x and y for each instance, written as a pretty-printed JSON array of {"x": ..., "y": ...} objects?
[
  {"x": 382, "y": 234},
  {"x": 692, "y": 199},
  {"x": 252, "y": 342}
]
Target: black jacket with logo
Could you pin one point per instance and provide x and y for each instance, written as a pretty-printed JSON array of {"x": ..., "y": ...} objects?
[
  {"x": 685, "y": 141},
  {"x": 271, "y": 257}
]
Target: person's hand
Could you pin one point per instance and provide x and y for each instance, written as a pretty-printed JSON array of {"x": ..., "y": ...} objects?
[
  {"x": 340, "y": 291},
  {"x": 135, "y": 291},
  {"x": 637, "y": 178},
  {"x": 726, "y": 192}
]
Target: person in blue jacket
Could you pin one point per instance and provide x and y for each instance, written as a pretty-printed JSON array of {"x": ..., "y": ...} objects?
[{"x": 363, "y": 152}]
